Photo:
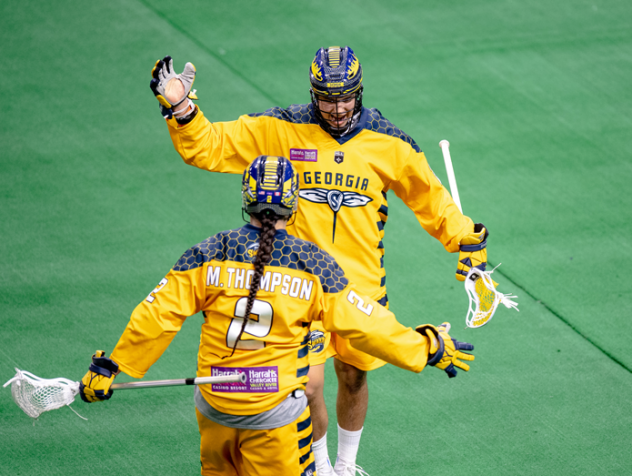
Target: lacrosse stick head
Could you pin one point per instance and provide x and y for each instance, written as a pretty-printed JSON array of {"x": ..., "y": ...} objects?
[
  {"x": 36, "y": 395},
  {"x": 484, "y": 297}
]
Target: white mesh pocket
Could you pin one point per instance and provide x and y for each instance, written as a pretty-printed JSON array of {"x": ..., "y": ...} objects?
[
  {"x": 35, "y": 395},
  {"x": 484, "y": 298}
]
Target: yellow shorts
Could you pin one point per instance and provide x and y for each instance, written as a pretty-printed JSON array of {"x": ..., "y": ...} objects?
[
  {"x": 327, "y": 344},
  {"x": 346, "y": 353},
  {"x": 233, "y": 452},
  {"x": 336, "y": 346}
]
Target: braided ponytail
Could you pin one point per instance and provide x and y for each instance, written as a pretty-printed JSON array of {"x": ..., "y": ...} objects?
[{"x": 264, "y": 254}]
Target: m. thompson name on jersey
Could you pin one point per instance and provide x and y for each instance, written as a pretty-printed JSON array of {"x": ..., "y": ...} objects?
[{"x": 240, "y": 278}]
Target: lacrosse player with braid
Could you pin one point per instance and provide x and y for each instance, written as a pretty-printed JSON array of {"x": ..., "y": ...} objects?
[
  {"x": 348, "y": 157},
  {"x": 260, "y": 290}
]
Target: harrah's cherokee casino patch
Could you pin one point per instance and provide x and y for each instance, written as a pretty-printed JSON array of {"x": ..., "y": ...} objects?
[
  {"x": 304, "y": 155},
  {"x": 258, "y": 379}
]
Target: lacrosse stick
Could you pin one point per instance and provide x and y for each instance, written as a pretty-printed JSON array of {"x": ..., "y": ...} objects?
[
  {"x": 35, "y": 395},
  {"x": 445, "y": 148},
  {"x": 484, "y": 298},
  {"x": 480, "y": 287}
]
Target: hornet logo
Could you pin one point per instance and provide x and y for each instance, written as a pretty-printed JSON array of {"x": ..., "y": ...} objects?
[{"x": 336, "y": 200}]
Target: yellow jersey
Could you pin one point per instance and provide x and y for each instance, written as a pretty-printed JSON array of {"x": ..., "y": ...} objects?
[
  {"x": 344, "y": 182},
  {"x": 301, "y": 284}
]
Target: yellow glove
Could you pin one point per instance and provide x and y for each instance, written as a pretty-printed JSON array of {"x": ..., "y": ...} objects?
[
  {"x": 95, "y": 385},
  {"x": 444, "y": 352},
  {"x": 473, "y": 253}
]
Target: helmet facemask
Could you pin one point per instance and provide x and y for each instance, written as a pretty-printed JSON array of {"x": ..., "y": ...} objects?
[{"x": 328, "y": 110}]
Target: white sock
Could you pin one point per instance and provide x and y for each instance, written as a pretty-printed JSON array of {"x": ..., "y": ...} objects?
[
  {"x": 348, "y": 444},
  {"x": 321, "y": 455}
]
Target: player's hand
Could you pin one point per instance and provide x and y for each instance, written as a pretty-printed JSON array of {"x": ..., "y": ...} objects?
[
  {"x": 171, "y": 89},
  {"x": 445, "y": 352},
  {"x": 95, "y": 385},
  {"x": 473, "y": 253}
]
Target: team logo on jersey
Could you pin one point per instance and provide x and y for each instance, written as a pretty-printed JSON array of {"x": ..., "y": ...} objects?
[
  {"x": 252, "y": 249},
  {"x": 339, "y": 157},
  {"x": 316, "y": 342},
  {"x": 335, "y": 199}
]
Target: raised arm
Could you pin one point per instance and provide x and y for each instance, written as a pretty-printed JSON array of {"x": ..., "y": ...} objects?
[{"x": 218, "y": 147}]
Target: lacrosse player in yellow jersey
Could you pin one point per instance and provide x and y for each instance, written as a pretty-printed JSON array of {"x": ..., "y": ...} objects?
[
  {"x": 260, "y": 290},
  {"x": 348, "y": 157}
]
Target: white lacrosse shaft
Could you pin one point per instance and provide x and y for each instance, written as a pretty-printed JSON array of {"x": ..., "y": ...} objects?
[
  {"x": 36, "y": 395},
  {"x": 445, "y": 148},
  {"x": 241, "y": 377}
]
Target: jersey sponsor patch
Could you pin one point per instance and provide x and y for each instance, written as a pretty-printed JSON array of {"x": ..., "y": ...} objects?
[
  {"x": 304, "y": 155},
  {"x": 258, "y": 380}
]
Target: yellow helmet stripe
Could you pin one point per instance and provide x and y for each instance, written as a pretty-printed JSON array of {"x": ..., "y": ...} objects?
[
  {"x": 270, "y": 174},
  {"x": 334, "y": 56}
]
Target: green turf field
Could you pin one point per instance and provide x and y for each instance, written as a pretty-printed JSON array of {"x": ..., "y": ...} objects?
[{"x": 96, "y": 206}]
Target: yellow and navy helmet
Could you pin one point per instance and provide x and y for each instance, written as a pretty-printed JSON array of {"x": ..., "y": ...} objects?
[
  {"x": 335, "y": 73},
  {"x": 270, "y": 183}
]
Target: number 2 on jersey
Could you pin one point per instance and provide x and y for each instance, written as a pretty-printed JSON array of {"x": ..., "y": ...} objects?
[
  {"x": 151, "y": 298},
  {"x": 260, "y": 328},
  {"x": 352, "y": 297}
]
